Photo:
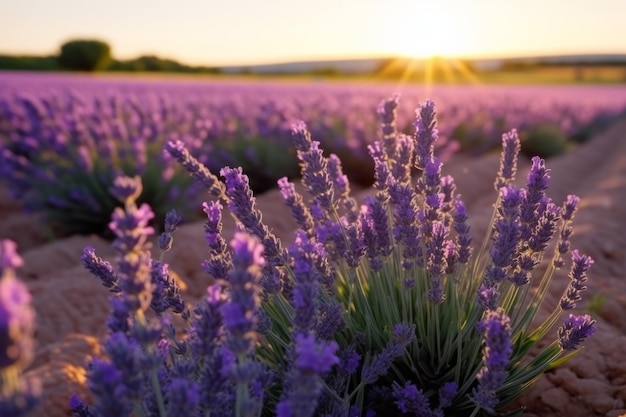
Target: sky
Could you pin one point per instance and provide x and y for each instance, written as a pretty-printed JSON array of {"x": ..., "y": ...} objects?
[{"x": 248, "y": 32}]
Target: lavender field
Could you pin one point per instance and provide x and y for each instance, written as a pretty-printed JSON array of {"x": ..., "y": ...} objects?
[
  {"x": 63, "y": 138},
  {"x": 65, "y": 142}
]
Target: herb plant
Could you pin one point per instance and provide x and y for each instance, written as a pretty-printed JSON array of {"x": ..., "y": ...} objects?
[{"x": 383, "y": 308}]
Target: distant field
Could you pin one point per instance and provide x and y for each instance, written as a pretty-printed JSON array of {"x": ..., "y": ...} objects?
[{"x": 539, "y": 75}]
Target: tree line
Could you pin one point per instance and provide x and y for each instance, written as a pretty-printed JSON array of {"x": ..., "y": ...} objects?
[{"x": 91, "y": 55}]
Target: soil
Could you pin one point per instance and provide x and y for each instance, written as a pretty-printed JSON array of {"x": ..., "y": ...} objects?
[{"x": 71, "y": 305}]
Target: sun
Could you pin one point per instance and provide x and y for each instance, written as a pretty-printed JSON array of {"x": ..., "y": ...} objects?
[
  {"x": 426, "y": 30},
  {"x": 429, "y": 41}
]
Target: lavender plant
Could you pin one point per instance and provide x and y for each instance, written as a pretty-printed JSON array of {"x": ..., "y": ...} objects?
[
  {"x": 379, "y": 307},
  {"x": 18, "y": 395}
]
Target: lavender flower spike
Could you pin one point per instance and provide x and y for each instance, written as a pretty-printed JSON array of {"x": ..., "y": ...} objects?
[
  {"x": 9, "y": 258},
  {"x": 567, "y": 214},
  {"x": 574, "y": 330},
  {"x": 426, "y": 133},
  {"x": 243, "y": 205},
  {"x": 16, "y": 314},
  {"x": 195, "y": 168},
  {"x": 497, "y": 351},
  {"x": 303, "y": 385},
  {"x": 17, "y": 395},
  {"x": 100, "y": 268},
  {"x": 239, "y": 314},
  {"x": 411, "y": 400},
  {"x": 578, "y": 277},
  {"x": 127, "y": 189},
  {"x": 387, "y": 110},
  {"x": 508, "y": 159},
  {"x": 294, "y": 201},
  {"x": 403, "y": 335}
]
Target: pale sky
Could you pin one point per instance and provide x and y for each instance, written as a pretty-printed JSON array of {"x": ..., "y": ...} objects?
[{"x": 233, "y": 32}]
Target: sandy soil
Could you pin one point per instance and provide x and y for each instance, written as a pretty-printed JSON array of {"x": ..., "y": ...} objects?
[{"x": 71, "y": 304}]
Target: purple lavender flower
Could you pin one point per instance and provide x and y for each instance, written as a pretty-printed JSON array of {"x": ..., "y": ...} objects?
[
  {"x": 127, "y": 356},
  {"x": 382, "y": 361},
  {"x": 131, "y": 227},
  {"x": 526, "y": 263},
  {"x": 448, "y": 189},
  {"x": 341, "y": 185},
  {"x": 508, "y": 159},
  {"x": 464, "y": 240},
  {"x": 402, "y": 160},
  {"x": 436, "y": 265},
  {"x": 18, "y": 396},
  {"x": 537, "y": 182},
  {"x": 350, "y": 359},
  {"x": 306, "y": 287},
  {"x": 127, "y": 189},
  {"x": 506, "y": 230},
  {"x": 165, "y": 241},
  {"x": 299, "y": 210},
  {"x": 380, "y": 223},
  {"x": 166, "y": 292},
  {"x": 574, "y": 330},
  {"x": 430, "y": 181},
  {"x": 497, "y": 351},
  {"x": 331, "y": 320},
  {"x": 183, "y": 397},
  {"x": 405, "y": 229},
  {"x": 301, "y": 136},
  {"x": 447, "y": 393},
  {"x": 569, "y": 207},
  {"x": 411, "y": 400},
  {"x": 119, "y": 319},
  {"x": 219, "y": 262},
  {"x": 387, "y": 113},
  {"x": 206, "y": 320},
  {"x": 303, "y": 385},
  {"x": 548, "y": 215},
  {"x": 172, "y": 220},
  {"x": 567, "y": 214},
  {"x": 243, "y": 205},
  {"x": 9, "y": 258},
  {"x": 100, "y": 268},
  {"x": 17, "y": 318},
  {"x": 426, "y": 133},
  {"x": 382, "y": 174},
  {"x": 487, "y": 296},
  {"x": 356, "y": 246},
  {"x": 107, "y": 386},
  {"x": 578, "y": 278},
  {"x": 239, "y": 314},
  {"x": 195, "y": 168},
  {"x": 79, "y": 408},
  {"x": 315, "y": 356},
  {"x": 316, "y": 178},
  {"x": 538, "y": 179}
]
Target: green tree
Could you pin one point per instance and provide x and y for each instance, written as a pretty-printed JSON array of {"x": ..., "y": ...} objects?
[{"x": 85, "y": 55}]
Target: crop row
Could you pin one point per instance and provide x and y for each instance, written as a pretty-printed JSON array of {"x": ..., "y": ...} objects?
[{"x": 63, "y": 139}]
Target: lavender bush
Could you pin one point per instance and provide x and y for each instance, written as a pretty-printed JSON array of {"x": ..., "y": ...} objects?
[
  {"x": 372, "y": 308},
  {"x": 63, "y": 155}
]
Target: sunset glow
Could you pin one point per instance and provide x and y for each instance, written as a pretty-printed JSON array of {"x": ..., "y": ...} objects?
[
  {"x": 246, "y": 32},
  {"x": 428, "y": 30}
]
